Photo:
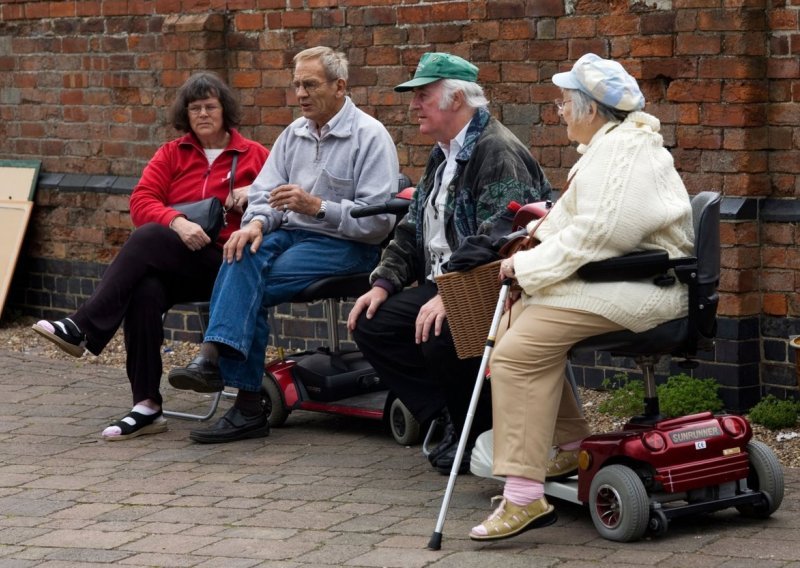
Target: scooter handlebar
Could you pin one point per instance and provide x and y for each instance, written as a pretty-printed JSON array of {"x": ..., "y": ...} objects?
[{"x": 394, "y": 206}]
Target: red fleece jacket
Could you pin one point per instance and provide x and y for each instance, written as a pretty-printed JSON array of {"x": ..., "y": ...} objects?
[{"x": 179, "y": 172}]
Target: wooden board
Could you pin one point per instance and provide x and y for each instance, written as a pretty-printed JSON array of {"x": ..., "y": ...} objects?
[
  {"x": 13, "y": 222},
  {"x": 18, "y": 179}
]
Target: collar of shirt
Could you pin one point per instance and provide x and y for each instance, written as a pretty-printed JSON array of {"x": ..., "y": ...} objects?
[{"x": 331, "y": 125}]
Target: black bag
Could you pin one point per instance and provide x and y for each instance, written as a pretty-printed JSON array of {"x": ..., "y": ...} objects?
[{"x": 208, "y": 213}]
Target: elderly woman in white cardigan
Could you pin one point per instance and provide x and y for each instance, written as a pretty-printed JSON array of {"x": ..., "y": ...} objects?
[{"x": 622, "y": 195}]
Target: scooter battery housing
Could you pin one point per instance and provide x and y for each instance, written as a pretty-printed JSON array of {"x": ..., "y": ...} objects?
[{"x": 334, "y": 376}]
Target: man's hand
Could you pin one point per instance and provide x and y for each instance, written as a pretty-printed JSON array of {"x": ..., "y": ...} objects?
[
  {"x": 431, "y": 314},
  {"x": 192, "y": 235},
  {"x": 371, "y": 301},
  {"x": 251, "y": 233},
  {"x": 292, "y": 197}
]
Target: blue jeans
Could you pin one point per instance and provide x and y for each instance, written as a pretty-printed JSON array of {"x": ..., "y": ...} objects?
[{"x": 285, "y": 263}]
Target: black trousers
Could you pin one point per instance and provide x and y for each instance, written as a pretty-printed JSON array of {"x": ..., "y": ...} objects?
[
  {"x": 153, "y": 271},
  {"x": 427, "y": 377}
]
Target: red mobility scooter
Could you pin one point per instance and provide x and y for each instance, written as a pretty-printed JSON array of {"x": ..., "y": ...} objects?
[
  {"x": 329, "y": 379},
  {"x": 638, "y": 480}
]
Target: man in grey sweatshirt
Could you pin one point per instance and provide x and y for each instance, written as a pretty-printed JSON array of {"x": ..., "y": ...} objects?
[{"x": 296, "y": 230}]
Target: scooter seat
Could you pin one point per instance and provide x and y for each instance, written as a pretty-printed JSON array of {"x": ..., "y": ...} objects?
[
  {"x": 663, "y": 339},
  {"x": 345, "y": 286}
]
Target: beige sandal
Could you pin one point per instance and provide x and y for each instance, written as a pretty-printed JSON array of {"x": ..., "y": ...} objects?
[
  {"x": 510, "y": 520},
  {"x": 563, "y": 464}
]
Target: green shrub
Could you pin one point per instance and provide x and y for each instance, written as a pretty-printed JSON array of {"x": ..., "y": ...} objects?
[
  {"x": 774, "y": 413},
  {"x": 627, "y": 398},
  {"x": 682, "y": 395}
]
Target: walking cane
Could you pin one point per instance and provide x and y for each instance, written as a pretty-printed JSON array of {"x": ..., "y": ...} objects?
[{"x": 435, "y": 543}]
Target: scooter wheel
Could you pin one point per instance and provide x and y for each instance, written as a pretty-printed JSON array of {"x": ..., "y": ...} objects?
[
  {"x": 766, "y": 475},
  {"x": 619, "y": 504},
  {"x": 270, "y": 391},
  {"x": 404, "y": 427}
]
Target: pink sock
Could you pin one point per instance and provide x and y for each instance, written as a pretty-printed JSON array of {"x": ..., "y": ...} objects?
[
  {"x": 572, "y": 446},
  {"x": 522, "y": 491}
]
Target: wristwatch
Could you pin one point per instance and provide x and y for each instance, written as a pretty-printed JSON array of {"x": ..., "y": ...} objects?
[{"x": 322, "y": 209}]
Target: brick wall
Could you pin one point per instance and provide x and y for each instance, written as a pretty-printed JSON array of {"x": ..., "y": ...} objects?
[{"x": 85, "y": 85}]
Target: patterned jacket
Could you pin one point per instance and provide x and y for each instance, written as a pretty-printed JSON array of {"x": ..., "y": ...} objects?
[{"x": 493, "y": 169}]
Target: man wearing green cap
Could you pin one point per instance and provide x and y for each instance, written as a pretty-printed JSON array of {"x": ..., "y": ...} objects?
[{"x": 475, "y": 169}]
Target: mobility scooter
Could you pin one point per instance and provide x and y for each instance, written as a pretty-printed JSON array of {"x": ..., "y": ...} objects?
[
  {"x": 654, "y": 470},
  {"x": 329, "y": 379}
]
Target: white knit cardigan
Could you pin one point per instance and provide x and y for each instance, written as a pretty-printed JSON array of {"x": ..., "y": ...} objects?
[{"x": 624, "y": 195}]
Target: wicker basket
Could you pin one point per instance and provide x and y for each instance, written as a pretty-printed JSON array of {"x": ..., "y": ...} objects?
[{"x": 470, "y": 299}]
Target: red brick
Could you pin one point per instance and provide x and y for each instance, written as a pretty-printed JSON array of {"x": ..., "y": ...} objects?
[
  {"x": 544, "y": 8},
  {"x": 737, "y": 281},
  {"x": 694, "y": 91},
  {"x": 747, "y": 184},
  {"x": 576, "y": 26},
  {"x": 651, "y": 46},
  {"x": 618, "y": 24},
  {"x": 782, "y": 19},
  {"x": 775, "y": 305},
  {"x": 739, "y": 304},
  {"x": 734, "y": 115},
  {"x": 296, "y": 19},
  {"x": 740, "y": 257},
  {"x": 697, "y": 44},
  {"x": 777, "y": 280},
  {"x": 249, "y": 22},
  {"x": 500, "y": 10},
  {"x": 746, "y": 139},
  {"x": 699, "y": 137},
  {"x": 731, "y": 20},
  {"x": 778, "y": 234}
]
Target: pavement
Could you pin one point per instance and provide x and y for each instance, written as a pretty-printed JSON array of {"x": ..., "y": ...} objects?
[{"x": 320, "y": 491}]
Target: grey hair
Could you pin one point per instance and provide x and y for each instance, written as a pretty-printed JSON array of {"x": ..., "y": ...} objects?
[
  {"x": 582, "y": 105},
  {"x": 334, "y": 62},
  {"x": 473, "y": 93}
]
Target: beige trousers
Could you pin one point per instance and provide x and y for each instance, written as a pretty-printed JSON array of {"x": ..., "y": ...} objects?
[{"x": 533, "y": 406}]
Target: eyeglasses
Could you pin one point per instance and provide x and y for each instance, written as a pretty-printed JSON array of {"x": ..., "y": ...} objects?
[
  {"x": 198, "y": 109},
  {"x": 561, "y": 103},
  {"x": 309, "y": 86}
]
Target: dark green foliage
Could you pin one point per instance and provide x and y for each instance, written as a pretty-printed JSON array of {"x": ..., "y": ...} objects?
[
  {"x": 774, "y": 413},
  {"x": 682, "y": 395},
  {"x": 627, "y": 396}
]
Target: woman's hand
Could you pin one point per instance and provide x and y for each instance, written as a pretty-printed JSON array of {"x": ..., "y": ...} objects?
[
  {"x": 430, "y": 314},
  {"x": 237, "y": 201},
  {"x": 192, "y": 235},
  {"x": 507, "y": 269}
]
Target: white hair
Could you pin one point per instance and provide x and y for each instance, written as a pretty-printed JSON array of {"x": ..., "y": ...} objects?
[{"x": 473, "y": 93}]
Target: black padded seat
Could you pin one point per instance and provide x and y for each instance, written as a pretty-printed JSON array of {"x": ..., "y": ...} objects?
[
  {"x": 669, "y": 337},
  {"x": 335, "y": 287}
]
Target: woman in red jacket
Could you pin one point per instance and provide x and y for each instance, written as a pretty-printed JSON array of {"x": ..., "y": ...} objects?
[{"x": 168, "y": 259}]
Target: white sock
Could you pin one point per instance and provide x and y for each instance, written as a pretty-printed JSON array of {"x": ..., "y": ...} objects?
[{"x": 112, "y": 431}]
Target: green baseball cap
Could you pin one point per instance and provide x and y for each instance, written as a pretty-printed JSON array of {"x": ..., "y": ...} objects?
[{"x": 435, "y": 66}]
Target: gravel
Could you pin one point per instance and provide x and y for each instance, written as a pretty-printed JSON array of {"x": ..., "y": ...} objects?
[{"x": 17, "y": 336}]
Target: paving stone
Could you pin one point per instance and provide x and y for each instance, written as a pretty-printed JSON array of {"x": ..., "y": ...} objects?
[{"x": 322, "y": 492}]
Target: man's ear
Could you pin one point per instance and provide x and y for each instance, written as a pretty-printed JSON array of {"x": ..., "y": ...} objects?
[
  {"x": 341, "y": 87},
  {"x": 458, "y": 101}
]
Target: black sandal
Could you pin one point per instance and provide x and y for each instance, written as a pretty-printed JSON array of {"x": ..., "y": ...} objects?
[{"x": 137, "y": 424}]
